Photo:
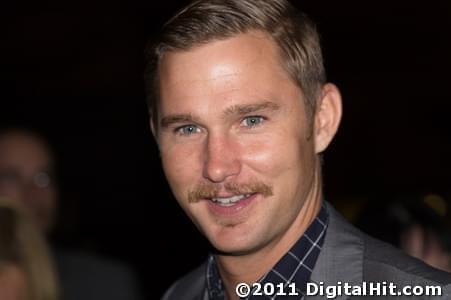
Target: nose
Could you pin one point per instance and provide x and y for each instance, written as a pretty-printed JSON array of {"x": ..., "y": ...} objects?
[{"x": 221, "y": 158}]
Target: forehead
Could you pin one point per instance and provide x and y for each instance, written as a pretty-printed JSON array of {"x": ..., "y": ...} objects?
[
  {"x": 249, "y": 63},
  {"x": 23, "y": 151}
]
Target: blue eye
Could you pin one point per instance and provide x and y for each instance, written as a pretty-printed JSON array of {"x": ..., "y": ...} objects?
[
  {"x": 252, "y": 121},
  {"x": 187, "y": 130}
]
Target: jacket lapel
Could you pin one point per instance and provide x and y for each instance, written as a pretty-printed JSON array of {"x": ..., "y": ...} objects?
[{"x": 341, "y": 257}]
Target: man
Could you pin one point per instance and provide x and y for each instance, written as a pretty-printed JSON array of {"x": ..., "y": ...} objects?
[
  {"x": 27, "y": 178},
  {"x": 241, "y": 112}
]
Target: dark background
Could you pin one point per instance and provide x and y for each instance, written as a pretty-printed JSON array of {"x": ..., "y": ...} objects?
[{"x": 73, "y": 70}]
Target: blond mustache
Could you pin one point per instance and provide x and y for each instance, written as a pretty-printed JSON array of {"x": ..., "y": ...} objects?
[{"x": 208, "y": 191}]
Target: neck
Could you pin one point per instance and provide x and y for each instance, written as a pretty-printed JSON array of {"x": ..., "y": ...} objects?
[{"x": 249, "y": 268}]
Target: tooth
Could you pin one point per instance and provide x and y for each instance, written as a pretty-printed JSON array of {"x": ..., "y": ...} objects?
[{"x": 230, "y": 200}]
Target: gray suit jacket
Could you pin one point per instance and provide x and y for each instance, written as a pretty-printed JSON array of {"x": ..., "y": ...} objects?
[{"x": 348, "y": 255}]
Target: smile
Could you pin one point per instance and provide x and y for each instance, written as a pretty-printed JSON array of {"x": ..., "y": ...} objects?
[
  {"x": 228, "y": 201},
  {"x": 232, "y": 206}
]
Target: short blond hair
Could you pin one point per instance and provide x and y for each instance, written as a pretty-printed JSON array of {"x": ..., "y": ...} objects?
[{"x": 204, "y": 21}]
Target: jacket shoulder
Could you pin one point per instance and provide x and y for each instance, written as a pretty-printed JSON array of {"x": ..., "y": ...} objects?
[
  {"x": 189, "y": 287},
  {"x": 383, "y": 262}
]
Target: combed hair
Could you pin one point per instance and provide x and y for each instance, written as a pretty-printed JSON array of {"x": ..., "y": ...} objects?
[{"x": 204, "y": 21}]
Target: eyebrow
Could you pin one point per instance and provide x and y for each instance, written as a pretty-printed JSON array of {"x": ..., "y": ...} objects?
[
  {"x": 174, "y": 119},
  {"x": 243, "y": 109},
  {"x": 240, "y": 109}
]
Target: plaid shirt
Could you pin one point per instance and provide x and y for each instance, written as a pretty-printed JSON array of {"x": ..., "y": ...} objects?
[{"x": 294, "y": 267}]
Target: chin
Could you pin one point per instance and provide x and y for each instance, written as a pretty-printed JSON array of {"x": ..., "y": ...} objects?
[
  {"x": 233, "y": 245},
  {"x": 232, "y": 250},
  {"x": 231, "y": 237}
]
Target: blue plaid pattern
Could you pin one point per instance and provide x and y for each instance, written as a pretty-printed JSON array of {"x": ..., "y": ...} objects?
[{"x": 294, "y": 267}]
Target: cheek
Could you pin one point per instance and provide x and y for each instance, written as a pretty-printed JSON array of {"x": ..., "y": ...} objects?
[
  {"x": 11, "y": 193},
  {"x": 181, "y": 165},
  {"x": 275, "y": 154},
  {"x": 47, "y": 198}
]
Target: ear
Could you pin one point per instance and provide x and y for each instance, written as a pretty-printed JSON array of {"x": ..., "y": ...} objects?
[
  {"x": 154, "y": 130},
  {"x": 152, "y": 127},
  {"x": 327, "y": 116}
]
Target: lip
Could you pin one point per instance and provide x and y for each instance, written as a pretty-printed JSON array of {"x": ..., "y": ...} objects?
[{"x": 232, "y": 210}]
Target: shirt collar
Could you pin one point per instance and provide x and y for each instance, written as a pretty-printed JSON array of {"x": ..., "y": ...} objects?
[{"x": 294, "y": 267}]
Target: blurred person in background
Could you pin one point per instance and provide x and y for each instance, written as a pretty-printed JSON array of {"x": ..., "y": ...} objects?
[
  {"x": 420, "y": 227},
  {"x": 27, "y": 178},
  {"x": 26, "y": 268}
]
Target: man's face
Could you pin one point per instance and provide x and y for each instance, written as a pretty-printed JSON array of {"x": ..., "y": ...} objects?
[
  {"x": 235, "y": 143},
  {"x": 25, "y": 176}
]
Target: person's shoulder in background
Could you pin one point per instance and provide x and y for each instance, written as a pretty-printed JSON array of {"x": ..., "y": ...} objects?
[{"x": 90, "y": 277}]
